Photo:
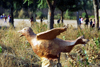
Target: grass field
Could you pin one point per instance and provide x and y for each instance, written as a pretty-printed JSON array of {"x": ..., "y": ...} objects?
[{"x": 15, "y": 51}]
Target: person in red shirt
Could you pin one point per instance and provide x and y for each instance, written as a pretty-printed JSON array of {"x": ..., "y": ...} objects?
[{"x": 5, "y": 18}]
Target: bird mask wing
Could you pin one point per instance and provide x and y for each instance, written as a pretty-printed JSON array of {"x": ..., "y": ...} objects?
[{"x": 51, "y": 34}]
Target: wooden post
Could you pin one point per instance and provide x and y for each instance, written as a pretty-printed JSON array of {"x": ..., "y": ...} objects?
[{"x": 48, "y": 63}]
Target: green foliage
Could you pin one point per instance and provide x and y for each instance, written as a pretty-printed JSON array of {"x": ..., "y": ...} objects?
[
  {"x": 29, "y": 2},
  {"x": 92, "y": 16},
  {"x": 40, "y": 14},
  {"x": 57, "y": 16},
  {"x": 88, "y": 4},
  {"x": 71, "y": 5},
  {"x": 97, "y": 42},
  {"x": 0, "y": 49},
  {"x": 42, "y": 4},
  {"x": 69, "y": 15},
  {"x": 32, "y": 4},
  {"x": 83, "y": 14},
  {"x": 64, "y": 38},
  {"x": 16, "y": 4},
  {"x": 21, "y": 14},
  {"x": 87, "y": 63}
]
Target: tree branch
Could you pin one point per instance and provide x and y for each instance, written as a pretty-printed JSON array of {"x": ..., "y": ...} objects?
[
  {"x": 54, "y": 4},
  {"x": 49, "y": 4}
]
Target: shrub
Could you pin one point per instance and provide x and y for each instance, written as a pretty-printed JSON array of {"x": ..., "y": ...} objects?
[
  {"x": 40, "y": 14},
  {"x": 92, "y": 16},
  {"x": 15, "y": 14},
  {"x": 80, "y": 56},
  {"x": 21, "y": 14},
  {"x": 83, "y": 14},
  {"x": 69, "y": 15},
  {"x": 0, "y": 49},
  {"x": 57, "y": 16}
]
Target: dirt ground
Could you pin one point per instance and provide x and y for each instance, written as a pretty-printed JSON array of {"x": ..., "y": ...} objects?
[{"x": 21, "y": 22}]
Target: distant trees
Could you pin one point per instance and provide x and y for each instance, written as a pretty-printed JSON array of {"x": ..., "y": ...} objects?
[
  {"x": 87, "y": 4},
  {"x": 11, "y": 4},
  {"x": 33, "y": 5},
  {"x": 62, "y": 5},
  {"x": 84, "y": 7},
  {"x": 51, "y": 7},
  {"x": 71, "y": 5}
]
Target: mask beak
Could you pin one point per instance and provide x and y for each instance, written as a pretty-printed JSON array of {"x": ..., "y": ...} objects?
[
  {"x": 20, "y": 32},
  {"x": 21, "y": 35}
]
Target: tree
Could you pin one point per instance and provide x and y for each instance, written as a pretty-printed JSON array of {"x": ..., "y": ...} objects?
[
  {"x": 62, "y": 6},
  {"x": 51, "y": 5},
  {"x": 11, "y": 4},
  {"x": 87, "y": 4},
  {"x": 84, "y": 7},
  {"x": 71, "y": 5},
  {"x": 96, "y": 13},
  {"x": 33, "y": 5}
]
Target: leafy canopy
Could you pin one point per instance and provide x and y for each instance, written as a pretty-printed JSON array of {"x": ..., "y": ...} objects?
[{"x": 71, "y": 5}]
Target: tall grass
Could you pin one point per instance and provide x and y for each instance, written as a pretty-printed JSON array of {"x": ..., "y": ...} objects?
[{"x": 17, "y": 52}]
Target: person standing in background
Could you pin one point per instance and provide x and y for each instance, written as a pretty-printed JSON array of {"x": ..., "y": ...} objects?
[
  {"x": 86, "y": 22},
  {"x": 79, "y": 23},
  {"x": 5, "y": 19},
  {"x": 81, "y": 20},
  {"x": 93, "y": 23}
]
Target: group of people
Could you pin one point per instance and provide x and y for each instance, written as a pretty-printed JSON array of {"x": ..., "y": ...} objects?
[
  {"x": 92, "y": 23},
  {"x": 3, "y": 16}
]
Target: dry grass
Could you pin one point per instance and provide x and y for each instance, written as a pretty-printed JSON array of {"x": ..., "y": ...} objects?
[{"x": 17, "y": 52}]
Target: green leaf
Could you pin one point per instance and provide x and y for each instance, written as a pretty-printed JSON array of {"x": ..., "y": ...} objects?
[
  {"x": 25, "y": 1},
  {"x": 30, "y": 2},
  {"x": 42, "y": 4},
  {"x": 64, "y": 37},
  {"x": 0, "y": 49}
]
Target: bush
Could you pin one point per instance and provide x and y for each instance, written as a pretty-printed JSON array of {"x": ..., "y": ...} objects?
[
  {"x": 21, "y": 14},
  {"x": 40, "y": 14},
  {"x": 0, "y": 49},
  {"x": 57, "y": 16},
  {"x": 83, "y": 14},
  {"x": 92, "y": 16},
  {"x": 15, "y": 13},
  {"x": 19, "y": 52},
  {"x": 69, "y": 15}
]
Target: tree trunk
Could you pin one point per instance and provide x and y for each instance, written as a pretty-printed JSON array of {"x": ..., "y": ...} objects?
[
  {"x": 77, "y": 19},
  {"x": 96, "y": 13},
  {"x": 34, "y": 17},
  {"x": 84, "y": 5},
  {"x": 12, "y": 19},
  {"x": 50, "y": 18},
  {"x": 51, "y": 5},
  {"x": 86, "y": 12},
  {"x": 61, "y": 16}
]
